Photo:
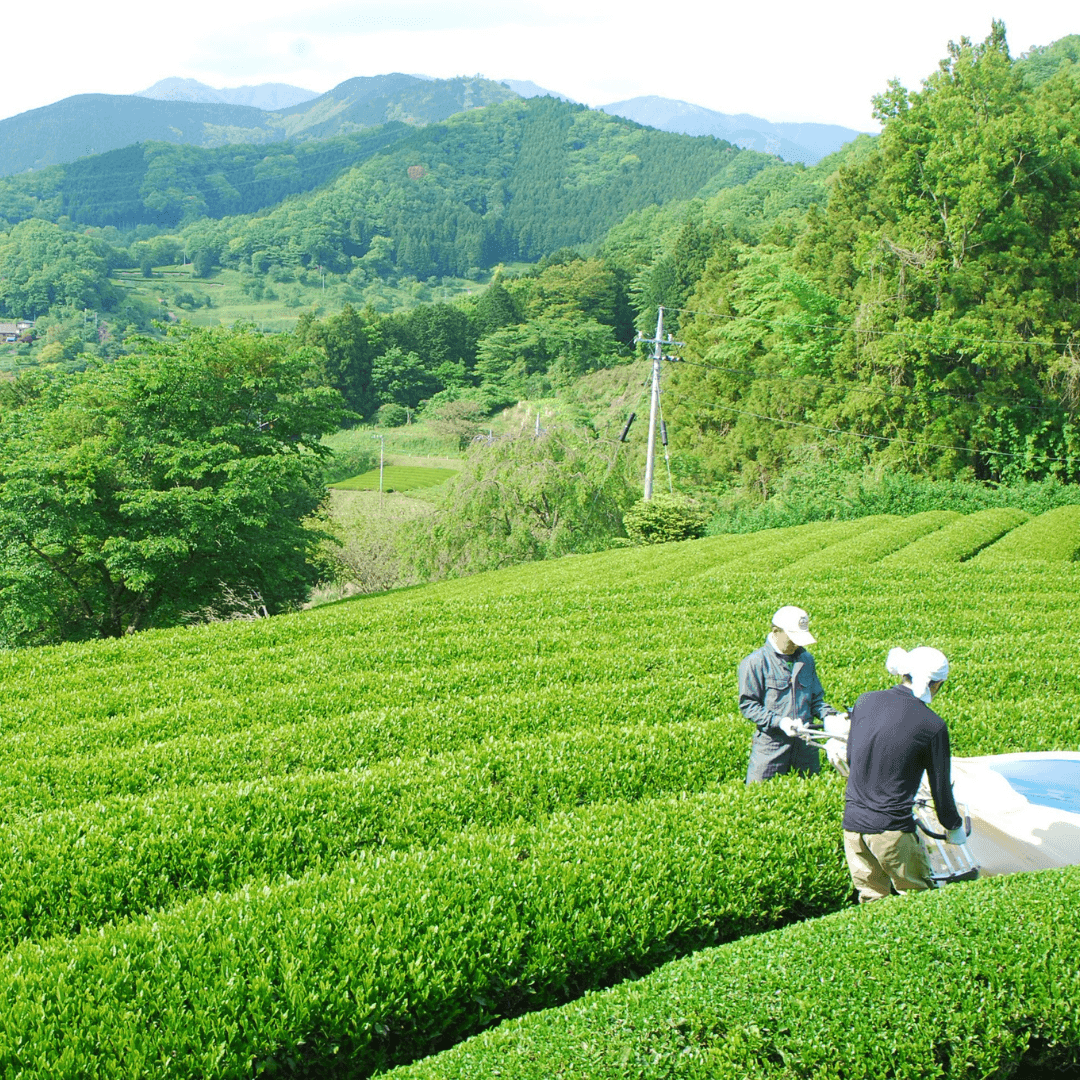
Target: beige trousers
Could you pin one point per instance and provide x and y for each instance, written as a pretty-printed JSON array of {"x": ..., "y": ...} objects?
[{"x": 880, "y": 860}]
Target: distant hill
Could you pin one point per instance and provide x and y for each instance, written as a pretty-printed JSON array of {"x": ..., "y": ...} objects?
[
  {"x": 513, "y": 181},
  {"x": 508, "y": 183},
  {"x": 808, "y": 143},
  {"x": 268, "y": 96},
  {"x": 361, "y": 103},
  {"x": 528, "y": 89},
  {"x": 95, "y": 123}
]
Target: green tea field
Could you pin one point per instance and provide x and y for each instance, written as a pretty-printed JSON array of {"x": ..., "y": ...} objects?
[{"x": 334, "y": 843}]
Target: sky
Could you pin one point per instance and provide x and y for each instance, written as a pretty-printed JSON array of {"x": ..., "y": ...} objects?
[{"x": 782, "y": 61}]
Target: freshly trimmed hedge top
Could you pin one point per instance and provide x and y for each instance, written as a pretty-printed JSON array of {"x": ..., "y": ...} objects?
[
  {"x": 1051, "y": 537},
  {"x": 962, "y": 539},
  {"x": 965, "y": 982}
]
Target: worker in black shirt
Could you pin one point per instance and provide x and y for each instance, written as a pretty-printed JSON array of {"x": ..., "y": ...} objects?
[{"x": 895, "y": 737}]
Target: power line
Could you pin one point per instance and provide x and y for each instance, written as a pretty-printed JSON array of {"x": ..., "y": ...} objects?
[
  {"x": 916, "y": 395},
  {"x": 772, "y": 324},
  {"x": 854, "y": 434}
]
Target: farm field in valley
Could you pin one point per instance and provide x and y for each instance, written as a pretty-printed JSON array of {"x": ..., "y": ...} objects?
[
  {"x": 396, "y": 478},
  {"x": 333, "y": 842}
]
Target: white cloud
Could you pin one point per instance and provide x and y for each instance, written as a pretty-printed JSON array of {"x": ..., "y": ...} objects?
[{"x": 782, "y": 61}]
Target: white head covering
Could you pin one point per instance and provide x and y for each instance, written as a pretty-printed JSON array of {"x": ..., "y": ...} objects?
[{"x": 924, "y": 666}]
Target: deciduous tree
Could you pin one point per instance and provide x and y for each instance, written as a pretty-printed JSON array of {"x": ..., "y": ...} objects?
[{"x": 140, "y": 489}]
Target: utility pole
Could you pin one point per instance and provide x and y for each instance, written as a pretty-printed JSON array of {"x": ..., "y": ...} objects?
[
  {"x": 654, "y": 406},
  {"x": 382, "y": 454}
]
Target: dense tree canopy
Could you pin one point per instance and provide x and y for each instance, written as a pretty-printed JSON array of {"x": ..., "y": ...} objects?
[
  {"x": 928, "y": 312},
  {"x": 511, "y": 182},
  {"x": 43, "y": 267},
  {"x": 139, "y": 490}
]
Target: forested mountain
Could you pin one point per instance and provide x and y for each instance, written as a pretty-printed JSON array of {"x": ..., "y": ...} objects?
[
  {"x": 806, "y": 143},
  {"x": 909, "y": 301},
  {"x": 507, "y": 183},
  {"x": 163, "y": 185},
  {"x": 95, "y": 123},
  {"x": 511, "y": 182}
]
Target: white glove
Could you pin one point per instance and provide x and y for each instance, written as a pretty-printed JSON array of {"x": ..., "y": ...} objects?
[
  {"x": 838, "y": 726},
  {"x": 836, "y": 752},
  {"x": 956, "y": 836},
  {"x": 788, "y": 726}
]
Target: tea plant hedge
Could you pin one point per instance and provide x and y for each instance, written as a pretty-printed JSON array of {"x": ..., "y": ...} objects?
[
  {"x": 972, "y": 981},
  {"x": 961, "y": 540},
  {"x": 72, "y": 869},
  {"x": 393, "y": 954},
  {"x": 1053, "y": 537},
  {"x": 875, "y": 544},
  {"x": 327, "y": 842}
]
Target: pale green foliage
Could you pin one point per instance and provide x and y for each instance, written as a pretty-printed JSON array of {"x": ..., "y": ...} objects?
[
  {"x": 872, "y": 545},
  {"x": 665, "y": 518},
  {"x": 1051, "y": 537},
  {"x": 524, "y": 361},
  {"x": 962, "y": 539},
  {"x": 527, "y": 497},
  {"x": 42, "y": 266}
]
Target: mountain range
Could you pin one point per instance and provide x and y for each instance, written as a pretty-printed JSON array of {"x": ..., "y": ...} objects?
[
  {"x": 188, "y": 112},
  {"x": 807, "y": 143},
  {"x": 95, "y": 123},
  {"x": 268, "y": 96}
]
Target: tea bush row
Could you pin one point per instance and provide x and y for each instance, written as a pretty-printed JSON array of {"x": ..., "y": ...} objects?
[
  {"x": 36, "y": 780},
  {"x": 617, "y": 639},
  {"x": 69, "y": 870},
  {"x": 874, "y": 544},
  {"x": 395, "y": 954},
  {"x": 970, "y": 981},
  {"x": 1053, "y": 536},
  {"x": 960, "y": 540}
]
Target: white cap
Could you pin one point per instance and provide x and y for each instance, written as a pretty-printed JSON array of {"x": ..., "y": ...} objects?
[{"x": 795, "y": 623}]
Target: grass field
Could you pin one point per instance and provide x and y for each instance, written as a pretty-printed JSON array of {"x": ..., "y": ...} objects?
[
  {"x": 337, "y": 841},
  {"x": 396, "y": 478},
  {"x": 228, "y": 296}
]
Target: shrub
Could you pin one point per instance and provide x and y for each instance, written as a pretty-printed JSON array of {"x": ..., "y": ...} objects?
[
  {"x": 823, "y": 490},
  {"x": 1051, "y": 537},
  {"x": 391, "y": 955},
  {"x": 350, "y": 460},
  {"x": 665, "y": 518},
  {"x": 391, "y": 414},
  {"x": 874, "y": 544},
  {"x": 960, "y": 540}
]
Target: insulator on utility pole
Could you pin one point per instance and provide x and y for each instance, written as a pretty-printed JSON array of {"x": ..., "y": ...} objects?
[
  {"x": 663, "y": 432},
  {"x": 626, "y": 427}
]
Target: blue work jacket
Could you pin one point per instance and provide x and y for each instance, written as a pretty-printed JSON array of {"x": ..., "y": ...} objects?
[{"x": 768, "y": 691}]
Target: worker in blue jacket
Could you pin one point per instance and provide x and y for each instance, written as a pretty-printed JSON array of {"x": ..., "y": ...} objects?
[{"x": 779, "y": 690}]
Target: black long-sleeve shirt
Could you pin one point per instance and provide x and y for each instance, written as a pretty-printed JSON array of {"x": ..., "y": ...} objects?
[{"x": 894, "y": 739}]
